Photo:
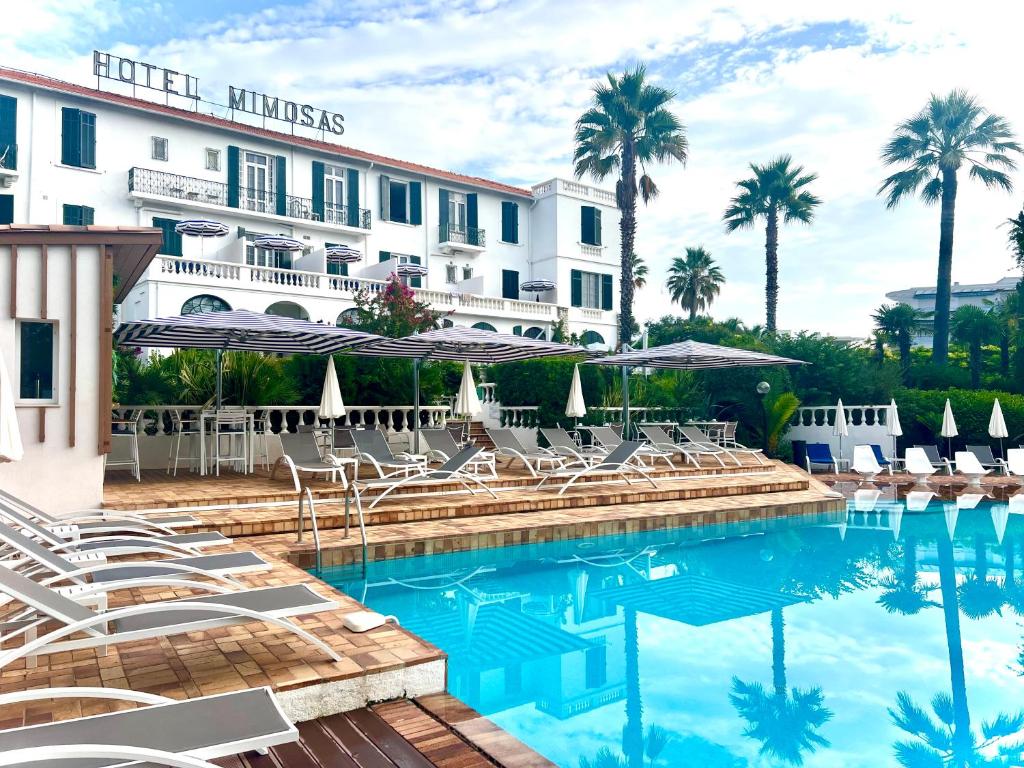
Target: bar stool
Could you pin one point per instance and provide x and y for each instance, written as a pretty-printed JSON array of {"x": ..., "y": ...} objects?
[
  {"x": 260, "y": 432},
  {"x": 126, "y": 429},
  {"x": 233, "y": 426},
  {"x": 182, "y": 428}
]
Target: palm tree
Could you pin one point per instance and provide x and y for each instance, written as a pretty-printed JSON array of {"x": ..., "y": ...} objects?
[
  {"x": 933, "y": 145},
  {"x": 979, "y": 595},
  {"x": 1016, "y": 238},
  {"x": 785, "y": 720},
  {"x": 628, "y": 124},
  {"x": 776, "y": 189},
  {"x": 639, "y": 272},
  {"x": 694, "y": 280},
  {"x": 904, "y": 594},
  {"x": 972, "y": 326},
  {"x": 897, "y": 322},
  {"x": 1006, "y": 313}
]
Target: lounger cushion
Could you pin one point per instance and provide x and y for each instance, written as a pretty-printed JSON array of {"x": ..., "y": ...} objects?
[
  {"x": 183, "y": 539},
  {"x": 290, "y": 600},
  {"x": 225, "y": 563},
  {"x": 130, "y": 525},
  {"x": 212, "y": 726}
]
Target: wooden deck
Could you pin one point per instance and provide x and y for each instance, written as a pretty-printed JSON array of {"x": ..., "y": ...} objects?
[{"x": 434, "y": 731}]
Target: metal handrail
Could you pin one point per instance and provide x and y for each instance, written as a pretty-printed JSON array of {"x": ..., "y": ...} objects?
[{"x": 307, "y": 496}]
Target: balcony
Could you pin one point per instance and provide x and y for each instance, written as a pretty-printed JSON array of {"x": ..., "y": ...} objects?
[
  {"x": 8, "y": 164},
  {"x": 204, "y": 194},
  {"x": 453, "y": 239}
]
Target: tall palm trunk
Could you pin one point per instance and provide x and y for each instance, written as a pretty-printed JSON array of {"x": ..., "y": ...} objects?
[
  {"x": 693, "y": 308},
  {"x": 1004, "y": 351},
  {"x": 974, "y": 362},
  {"x": 962, "y": 739},
  {"x": 904, "y": 345},
  {"x": 627, "y": 231},
  {"x": 778, "y": 653},
  {"x": 633, "y": 731},
  {"x": 771, "y": 272},
  {"x": 943, "y": 284}
]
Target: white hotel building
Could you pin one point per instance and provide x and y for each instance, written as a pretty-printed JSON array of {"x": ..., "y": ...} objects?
[{"x": 77, "y": 155}]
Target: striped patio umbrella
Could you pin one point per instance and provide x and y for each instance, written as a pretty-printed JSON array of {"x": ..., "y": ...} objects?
[
  {"x": 685, "y": 355},
  {"x": 342, "y": 254},
  {"x": 472, "y": 345},
  {"x": 410, "y": 270},
  {"x": 242, "y": 330},
  {"x": 278, "y": 243},
  {"x": 201, "y": 228},
  {"x": 537, "y": 286}
]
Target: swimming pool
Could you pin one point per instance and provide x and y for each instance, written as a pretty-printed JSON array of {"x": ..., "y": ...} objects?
[{"x": 820, "y": 640}]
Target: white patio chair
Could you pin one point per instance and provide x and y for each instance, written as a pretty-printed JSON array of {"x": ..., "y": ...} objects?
[
  {"x": 968, "y": 465},
  {"x": 189, "y": 430},
  {"x": 1015, "y": 462},
  {"x": 917, "y": 463},
  {"x": 865, "y": 463}
]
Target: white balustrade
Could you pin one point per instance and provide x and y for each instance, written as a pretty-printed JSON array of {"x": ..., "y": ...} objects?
[
  {"x": 487, "y": 392},
  {"x": 639, "y": 414},
  {"x": 867, "y": 424},
  {"x": 519, "y": 416},
  {"x": 591, "y": 251}
]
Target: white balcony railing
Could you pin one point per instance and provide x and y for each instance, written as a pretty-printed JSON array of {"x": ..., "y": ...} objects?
[{"x": 566, "y": 187}]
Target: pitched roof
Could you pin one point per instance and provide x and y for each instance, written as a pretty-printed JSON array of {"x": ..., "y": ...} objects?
[{"x": 61, "y": 86}]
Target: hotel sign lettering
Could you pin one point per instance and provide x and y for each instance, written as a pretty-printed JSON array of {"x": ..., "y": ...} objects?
[
  {"x": 288, "y": 111},
  {"x": 174, "y": 83}
]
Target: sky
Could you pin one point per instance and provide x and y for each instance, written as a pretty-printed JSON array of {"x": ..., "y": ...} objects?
[{"x": 493, "y": 88}]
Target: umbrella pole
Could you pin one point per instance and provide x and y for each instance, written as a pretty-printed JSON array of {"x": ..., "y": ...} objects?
[
  {"x": 220, "y": 377},
  {"x": 416, "y": 405},
  {"x": 625, "y": 402}
]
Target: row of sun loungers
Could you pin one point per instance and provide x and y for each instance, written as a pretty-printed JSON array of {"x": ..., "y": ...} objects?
[{"x": 923, "y": 461}]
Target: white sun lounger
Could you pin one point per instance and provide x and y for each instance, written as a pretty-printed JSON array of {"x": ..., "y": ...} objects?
[
  {"x": 99, "y": 521},
  {"x": 662, "y": 441},
  {"x": 442, "y": 447},
  {"x": 373, "y": 447},
  {"x": 916, "y": 463},
  {"x": 968, "y": 465},
  {"x": 620, "y": 461},
  {"x": 1015, "y": 461},
  {"x": 162, "y": 731},
  {"x": 271, "y": 605},
  {"x": 609, "y": 439},
  {"x": 450, "y": 471},
  {"x": 695, "y": 436},
  {"x": 988, "y": 459},
  {"x": 507, "y": 444},
  {"x": 300, "y": 453},
  {"x": 561, "y": 442},
  {"x": 865, "y": 463},
  {"x": 67, "y": 539}
]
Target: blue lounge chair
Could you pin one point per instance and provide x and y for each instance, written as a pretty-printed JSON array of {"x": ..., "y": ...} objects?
[
  {"x": 821, "y": 453},
  {"x": 883, "y": 462}
]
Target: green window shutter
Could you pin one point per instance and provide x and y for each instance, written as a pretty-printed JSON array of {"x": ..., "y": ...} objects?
[
  {"x": 587, "y": 224},
  {"x": 88, "y": 140},
  {"x": 72, "y": 215},
  {"x": 318, "y": 189},
  {"x": 472, "y": 219},
  {"x": 172, "y": 240},
  {"x": 416, "y": 282},
  {"x": 576, "y": 288},
  {"x": 70, "y": 136},
  {"x": 510, "y": 222},
  {"x": 281, "y": 186},
  {"x": 335, "y": 268},
  {"x": 385, "y": 198},
  {"x": 383, "y": 256},
  {"x": 517, "y": 330},
  {"x": 352, "y": 197},
  {"x": 8, "y": 132},
  {"x": 509, "y": 284},
  {"x": 442, "y": 214},
  {"x": 606, "y": 292},
  {"x": 234, "y": 172},
  {"x": 6, "y": 209},
  {"x": 415, "y": 202},
  {"x": 89, "y": 214},
  {"x": 597, "y": 226}
]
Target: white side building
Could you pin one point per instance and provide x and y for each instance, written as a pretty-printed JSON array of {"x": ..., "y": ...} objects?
[{"x": 76, "y": 155}]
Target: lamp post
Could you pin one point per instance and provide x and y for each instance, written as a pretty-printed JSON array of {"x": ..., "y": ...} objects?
[{"x": 762, "y": 389}]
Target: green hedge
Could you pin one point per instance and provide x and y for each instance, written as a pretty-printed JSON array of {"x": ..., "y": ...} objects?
[
  {"x": 545, "y": 383},
  {"x": 921, "y": 415}
]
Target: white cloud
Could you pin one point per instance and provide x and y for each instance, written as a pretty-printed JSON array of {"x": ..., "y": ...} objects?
[{"x": 493, "y": 88}]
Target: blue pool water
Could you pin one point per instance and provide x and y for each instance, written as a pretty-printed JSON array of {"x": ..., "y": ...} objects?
[{"x": 781, "y": 643}]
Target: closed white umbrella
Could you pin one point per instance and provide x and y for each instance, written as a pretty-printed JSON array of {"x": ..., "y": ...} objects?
[
  {"x": 1000, "y": 517},
  {"x": 948, "y": 430},
  {"x": 997, "y": 425},
  {"x": 841, "y": 428},
  {"x": 575, "y": 407},
  {"x": 893, "y": 428},
  {"x": 11, "y": 448},
  {"x": 895, "y": 519},
  {"x": 468, "y": 403},
  {"x": 331, "y": 404},
  {"x": 951, "y": 514}
]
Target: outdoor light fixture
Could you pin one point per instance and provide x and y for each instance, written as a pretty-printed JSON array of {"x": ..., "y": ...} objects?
[{"x": 762, "y": 389}]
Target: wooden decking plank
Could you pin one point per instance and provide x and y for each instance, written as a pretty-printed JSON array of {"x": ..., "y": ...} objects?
[
  {"x": 388, "y": 740},
  {"x": 363, "y": 751},
  {"x": 295, "y": 756},
  {"x": 327, "y": 751}
]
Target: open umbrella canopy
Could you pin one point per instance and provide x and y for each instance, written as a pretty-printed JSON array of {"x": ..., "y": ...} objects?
[
  {"x": 693, "y": 355},
  {"x": 468, "y": 344},
  {"x": 242, "y": 330},
  {"x": 467, "y": 403},
  {"x": 575, "y": 407},
  {"x": 11, "y": 448},
  {"x": 201, "y": 228},
  {"x": 331, "y": 404}
]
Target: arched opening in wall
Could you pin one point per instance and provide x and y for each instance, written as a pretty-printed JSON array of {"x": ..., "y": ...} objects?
[
  {"x": 485, "y": 327},
  {"x": 348, "y": 317},
  {"x": 591, "y": 337},
  {"x": 534, "y": 332},
  {"x": 204, "y": 302},
  {"x": 446, "y": 323},
  {"x": 287, "y": 309}
]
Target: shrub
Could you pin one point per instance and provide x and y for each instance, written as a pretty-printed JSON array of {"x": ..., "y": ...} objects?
[
  {"x": 921, "y": 415},
  {"x": 545, "y": 383}
]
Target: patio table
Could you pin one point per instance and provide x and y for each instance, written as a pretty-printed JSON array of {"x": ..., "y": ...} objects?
[{"x": 210, "y": 416}]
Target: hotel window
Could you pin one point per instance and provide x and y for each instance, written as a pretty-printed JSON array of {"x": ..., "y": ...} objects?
[
  {"x": 451, "y": 273},
  {"x": 6, "y": 209},
  {"x": 334, "y": 195},
  {"x": 172, "y": 240},
  {"x": 401, "y": 201},
  {"x": 590, "y": 225},
  {"x": 212, "y": 159},
  {"x": 467, "y": 273},
  {"x": 591, "y": 290},
  {"x": 264, "y": 257},
  {"x": 78, "y": 138},
  {"x": 78, "y": 215},
  {"x": 258, "y": 182},
  {"x": 8, "y": 132},
  {"x": 37, "y": 358},
  {"x": 457, "y": 212},
  {"x": 510, "y": 222},
  {"x": 509, "y": 284},
  {"x": 159, "y": 148},
  {"x": 596, "y": 666}
]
